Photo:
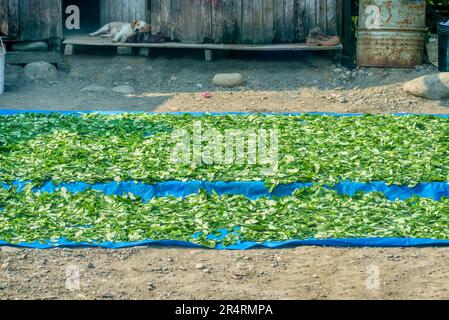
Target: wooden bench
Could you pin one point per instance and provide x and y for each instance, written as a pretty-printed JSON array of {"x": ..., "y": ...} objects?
[{"x": 144, "y": 48}]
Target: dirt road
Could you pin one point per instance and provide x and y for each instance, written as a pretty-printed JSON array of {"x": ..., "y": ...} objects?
[{"x": 274, "y": 84}]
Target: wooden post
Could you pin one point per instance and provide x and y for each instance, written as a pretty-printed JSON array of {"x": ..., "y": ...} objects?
[
  {"x": 208, "y": 55},
  {"x": 145, "y": 52},
  {"x": 69, "y": 49},
  {"x": 124, "y": 51}
]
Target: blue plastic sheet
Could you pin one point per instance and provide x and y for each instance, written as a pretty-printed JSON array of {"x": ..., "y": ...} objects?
[
  {"x": 80, "y": 112},
  {"x": 252, "y": 190},
  {"x": 344, "y": 243}
]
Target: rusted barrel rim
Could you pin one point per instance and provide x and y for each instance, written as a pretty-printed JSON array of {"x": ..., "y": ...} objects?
[{"x": 394, "y": 29}]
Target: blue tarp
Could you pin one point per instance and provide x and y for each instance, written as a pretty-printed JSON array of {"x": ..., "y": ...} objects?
[
  {"x": 79, "y": 112},
  {"x": 345, "y": 243},
  {"x": 252, "y": 190}
]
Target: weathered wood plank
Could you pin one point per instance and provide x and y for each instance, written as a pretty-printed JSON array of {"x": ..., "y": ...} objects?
[
  {"x": 258, "y": 26},
  {"x": 4, "y": 17},
  {"x": 311, "y": 11},
  {"x": 13, "y": 19},
  {"x": 88, "y": 41},
  {"x": 247, "y": 21},
  {"x": 102, "y": 18},
  {"x": 321, "y": 14},
  {"x": 19, "y": 57},
  {"x": 331, "y": 16},
  {"x": 105, "y": 9},
  {"x": 156, "y": 15},
  {"x": 268, "y": 21},
  {"x": 284, "y": 20},
  {"x": 300, "y": 20},
  {"x": 206, "y": 21}
]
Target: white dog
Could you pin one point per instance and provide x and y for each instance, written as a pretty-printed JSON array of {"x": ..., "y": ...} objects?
[{"x": 120, "y": 31}]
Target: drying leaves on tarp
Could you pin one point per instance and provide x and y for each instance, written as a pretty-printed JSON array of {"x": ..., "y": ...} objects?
[
  {"x": 137, "y": 147},
  {"x": 315, "y": 212}
]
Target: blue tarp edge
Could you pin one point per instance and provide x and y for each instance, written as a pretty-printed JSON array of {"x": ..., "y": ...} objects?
[
  {"x": 78, "y": 112},
  {"x": 345, "y": 243},
  {"x": 252, "y": 189}
]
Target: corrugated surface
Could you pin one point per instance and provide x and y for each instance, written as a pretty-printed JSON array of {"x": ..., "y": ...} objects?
[{"x": 391, "y": 33}]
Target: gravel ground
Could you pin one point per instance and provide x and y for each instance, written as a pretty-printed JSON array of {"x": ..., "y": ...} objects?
[{"x": 282, "y": 83}]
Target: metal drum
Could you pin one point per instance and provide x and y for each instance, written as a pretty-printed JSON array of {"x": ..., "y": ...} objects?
[{"x": 391, "y": 33}]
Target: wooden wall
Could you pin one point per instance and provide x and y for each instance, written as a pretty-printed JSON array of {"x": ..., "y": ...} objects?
[
  {"x": 123, "y": 10},
  {"x": 189, "y": 21},
  {"x": 244, "y": 21},
  {"x": 31, "y": 19}
]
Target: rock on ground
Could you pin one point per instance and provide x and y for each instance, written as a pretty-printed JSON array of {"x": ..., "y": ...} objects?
[
  {"x": 40, "y": 71},
  {"x": 40, "y": 46},
  {"x": 434, "y": 86},
  {"x": 228, "y": 80},
  {"x": 124, "y": 89},
  {"x": 94, "y": 88}
]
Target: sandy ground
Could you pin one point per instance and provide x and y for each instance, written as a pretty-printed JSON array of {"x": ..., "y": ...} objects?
[{"x": 175, "y": 83}]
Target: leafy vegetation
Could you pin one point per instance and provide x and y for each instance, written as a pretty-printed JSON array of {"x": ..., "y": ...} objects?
[
  {"x": 92, "y": 148},
  {"x": 310, "y": 213}
]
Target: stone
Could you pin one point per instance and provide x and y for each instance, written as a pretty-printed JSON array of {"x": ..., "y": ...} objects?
[
  {"x": 200, "y": 266},
  {"x": 434, "y": 86},
  {"x": 124, "y": 89},
  {"x": 228, "y": 80},
  {"x": 40, "y": 71},
  {"x": 151, "y": 286},
  {"x": 94, "y": 88},
  {"x": 36, "y": 46}
]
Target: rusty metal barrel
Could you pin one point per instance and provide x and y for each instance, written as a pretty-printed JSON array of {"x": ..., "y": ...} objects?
[{"x": 391, "y": 33}]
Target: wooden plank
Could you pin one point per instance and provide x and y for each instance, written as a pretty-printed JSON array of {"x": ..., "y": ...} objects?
[
  {"x": 125, "y": 11},
  {"x": 174, "y": 15},
  {"x": 206, "y": 21},
  {"x": 227, "y": 21},
  {"x": 45, "y": 19},
  {"x": 300, "y": 20},
  {"x": 195, "y": 21},
  {"x": 118, "y": 10},
  {"x": 107, "y": 15},
  {"x": 278, "y": 20},
  {"x": 311, "y": 10},
  {"x": 289, "y": 21},
  {"x": 258, "y": 26},
  {"x": 247, "y": 21},
  {"x": 102, "y": 15},
  {"x": 284, "y": 20},
  {"x": 56, "y": 19},
  {"x": 21, "y": 57},
  {"x": 88, "y": 41},
  {"x": 217, "y": 21},
  {"x": 13, "y": 19},
  {"x": 321, "y": 15},
  {"x": 4, "y": 17},
  {"x": 25, "y": 23},
  {"x": 331, "y": 16},
  {"x": 156, "y": 15},
  {"x": 268, "y": 21}
]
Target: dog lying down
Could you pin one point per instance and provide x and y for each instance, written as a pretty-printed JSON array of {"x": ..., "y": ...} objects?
[{"x": 121, "y": 31}]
